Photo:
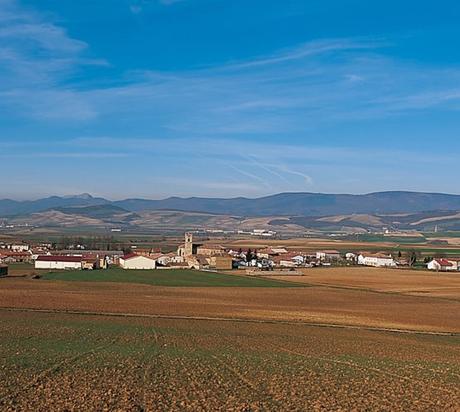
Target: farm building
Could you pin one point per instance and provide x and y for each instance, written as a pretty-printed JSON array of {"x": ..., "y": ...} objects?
[
  {"x": 328, "y": 255},
  {"x": 221, "y": 262},
  {"x": 443, "y": 265},
  {"x": 19, "y": 248},
  {"x": 112, "y": 256},
  {"x": 58, "y": 262},
  {"x": 269, "y": 252},
  {"x": 7, "y": 256},
  {"x": 133, "y": 261},
  {"x": 376, "y": 260}
]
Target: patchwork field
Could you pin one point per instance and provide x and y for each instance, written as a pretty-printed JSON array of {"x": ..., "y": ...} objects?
[
  {"x": 342, "y": 343},
  {"x": 409, "y": 282}
]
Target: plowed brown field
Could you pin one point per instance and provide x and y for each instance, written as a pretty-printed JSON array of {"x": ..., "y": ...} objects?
[
  {"x": 345, "y": 343},
  {"x": 408, "y": 282},
  {"x": 316, "y": 304},
  {"x": 57, "y": 362}
]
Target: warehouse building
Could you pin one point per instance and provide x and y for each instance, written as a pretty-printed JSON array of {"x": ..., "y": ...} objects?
[
  {"x": 133, "y": 261},
  {"x": 50, "y": 262}
]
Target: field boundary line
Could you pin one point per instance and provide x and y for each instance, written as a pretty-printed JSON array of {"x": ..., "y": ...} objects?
[
  {"x": 241, "y": 320},
  {"x": 382, "y": 292}
]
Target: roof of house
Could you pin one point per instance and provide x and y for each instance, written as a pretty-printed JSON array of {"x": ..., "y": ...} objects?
[
  {"x": 51, "y": 258},
  {"x": 129, "y": 256},
  {"x": 444, "y": 262},
  {"x": 134, "y": 255},
  {"x": 379, "y": 255},
  {"x": 8, "y": 253},
  {"x": 212, "y": 246},
  {"x": 279, "y": 250}
]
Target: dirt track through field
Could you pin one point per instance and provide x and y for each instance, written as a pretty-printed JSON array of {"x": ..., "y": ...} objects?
[{"x": 244, "y": 320}]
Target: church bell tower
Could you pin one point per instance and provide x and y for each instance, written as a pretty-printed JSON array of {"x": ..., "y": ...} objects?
[{"x": 188, "y": 248}]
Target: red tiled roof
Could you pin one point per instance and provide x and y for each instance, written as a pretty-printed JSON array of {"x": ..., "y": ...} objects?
[
  {"x": 49, "y": 258},
  {"x": 134, "y": 255},
  {"x": 444, "y": 262},
  {"x": 129, "y": 256},
  {"x": 14, "y": 254}
]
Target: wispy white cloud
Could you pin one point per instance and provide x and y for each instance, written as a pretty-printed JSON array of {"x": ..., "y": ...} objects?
[
  {"x": 44, "y": 35},
  {"x": 37, "y": 58},
  {"x": 312, "y": 48},
  {"x": 313, "y": 85},
  {"x": 161, "y": 167},
  {"x": 291, "y": 90}
]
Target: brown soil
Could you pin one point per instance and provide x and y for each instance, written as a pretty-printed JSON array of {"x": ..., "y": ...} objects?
[
  {"x": 318, "y": 304},
  {"x": 56, "y": 362},
  {"x": 409, "y": 282}
]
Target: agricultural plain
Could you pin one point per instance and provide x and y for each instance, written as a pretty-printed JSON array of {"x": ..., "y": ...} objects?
[
  {"x": 407, "y": 282},
  {"x": 340, "y": 342}
]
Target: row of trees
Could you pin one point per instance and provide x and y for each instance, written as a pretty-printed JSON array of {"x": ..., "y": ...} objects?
[
  {"x": 414, "y": 256},
  {"x": 90, "y": 243}
]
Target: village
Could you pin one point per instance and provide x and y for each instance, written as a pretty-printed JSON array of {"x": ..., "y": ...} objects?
[{"x": 211, "y": 256}]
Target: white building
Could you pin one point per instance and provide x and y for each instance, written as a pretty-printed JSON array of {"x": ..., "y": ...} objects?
[
  {"x": 376, "y": 260},
  {"x": 287, "y": 264},
  {"x": 328, "y": 255},
  {"x": 169, "y": 258},
  {"x": 58, "y": 262},
  {"x": 20, "y": 248},
  {"x": 442, "y": 265},
  {"x": 133, "y": 261},
  {"x": 351, "y": 257}
]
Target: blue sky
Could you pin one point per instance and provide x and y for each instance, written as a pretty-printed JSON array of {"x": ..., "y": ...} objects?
[{"x": 152, "y": 98}]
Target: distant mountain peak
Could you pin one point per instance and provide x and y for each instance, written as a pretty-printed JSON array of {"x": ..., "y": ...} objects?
[{"x": 84, "y": 196}]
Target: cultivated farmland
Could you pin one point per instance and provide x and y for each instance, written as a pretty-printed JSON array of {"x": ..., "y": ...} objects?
[
  {"x": 340, "y": 344},
  {"x": 181, "y": 277},
  {"x": 70, "y": 362}
]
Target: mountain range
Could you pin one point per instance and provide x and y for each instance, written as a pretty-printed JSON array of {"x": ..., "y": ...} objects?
[
  {"x": 284, "y": 213},
  {"x": 282, "y": 204}
]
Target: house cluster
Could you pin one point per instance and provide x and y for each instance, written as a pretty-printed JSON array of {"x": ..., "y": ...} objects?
[
  {"x": 188, "y": 255},
  {"x": 43, "y": 256},
  {"x": 191, "y": 254},
  {"x": 15, "y": 253},
  {"x": 280, "y": 257},
  {"x": 271, "y": 258}
]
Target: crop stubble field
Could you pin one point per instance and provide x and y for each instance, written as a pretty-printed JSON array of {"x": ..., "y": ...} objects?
[{"x": 113, "y": 346}]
